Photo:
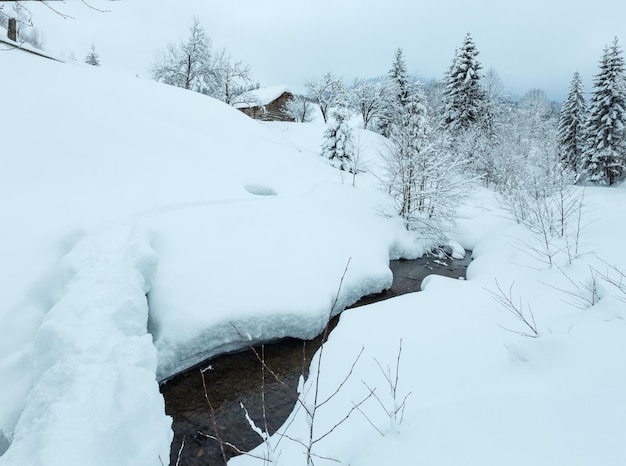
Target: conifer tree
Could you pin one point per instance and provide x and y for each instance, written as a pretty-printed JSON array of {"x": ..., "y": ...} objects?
[
  {"x": 398, "y": 94},
  {"x": 571, "y": 126},
  {"x": 92, "y": 57},
  {"x": 338, "y": 145},
  {"x": 605, "y": 148},
  {"x": 399, "y": 77},
  {"x": 464, "y": 95}
]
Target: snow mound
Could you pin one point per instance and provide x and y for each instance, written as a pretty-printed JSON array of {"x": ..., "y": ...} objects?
[
  {"x": 259, "y": 190},
  {"x": 95, "y": 395}
]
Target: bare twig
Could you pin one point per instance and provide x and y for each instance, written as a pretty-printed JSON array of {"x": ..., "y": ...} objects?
[
  {"x": 345, "y": 379},
  {"x": 260, "y": 358},
  {"x": 618, "y": 280},
  {"x": 180, "y": 452},
  {"x": 344, "y": 419},
  {"x": 84, "y": 2},
  {"x": 372, "y": 392},
  {"x": 581, "y": 302},
  {"x": 517, "y": 309},
  {"x": 310, "y": 411},
  {"x": 228, "y": 444},
  {"x": 396, "y": 412},
  {"x": 213, "y": 419}
]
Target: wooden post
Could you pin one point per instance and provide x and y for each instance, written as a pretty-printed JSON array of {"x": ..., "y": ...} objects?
[{"x": 12, "y": 34}]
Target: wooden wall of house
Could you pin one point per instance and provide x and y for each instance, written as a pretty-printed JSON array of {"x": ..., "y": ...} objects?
[{"x": 270, "y": 112}]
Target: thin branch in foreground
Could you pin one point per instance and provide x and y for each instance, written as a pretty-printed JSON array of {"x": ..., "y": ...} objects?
[
  {"x": 619, "y": 283},
  {"x": 180, "y": 452},
  {"x": 516, "y": 309},
  {"x": 84, "y": 2},
  {"x": 228, "y": 444},
  {"x": 61, "y": 14},
  {"x": 258, "y": 356},
  {"x": 213, "y": 419},
  {"x": 580, "y": 302},
  {"x": 345, "y": 379},
  {"x": 344, "y": 419}
]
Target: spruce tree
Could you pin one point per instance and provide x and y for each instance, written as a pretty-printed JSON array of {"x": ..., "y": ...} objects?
[
  {"x": 397, "y": 96},
  {"x": 571, "y": 126},
  {"x": 605, "y": 147},
  {"x": 464, "y": 95},
  {"x": 399, "y": 77},
  {"x": 338, "y": 146},
  {"x": 92, "y": 57}
]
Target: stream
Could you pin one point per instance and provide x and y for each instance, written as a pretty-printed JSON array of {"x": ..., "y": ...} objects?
[{"x": 205, "y": 400}]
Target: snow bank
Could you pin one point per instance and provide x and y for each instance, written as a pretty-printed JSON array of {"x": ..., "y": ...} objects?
[
  {"x": 478, "y": 393},
  {"x": 89, "y": 147},
  {"x": 272, "y": 270},
  {"x": 95, "y": 398}
]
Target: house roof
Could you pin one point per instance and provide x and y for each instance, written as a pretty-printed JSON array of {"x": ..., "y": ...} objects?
[{"x": 260, "y": 97}]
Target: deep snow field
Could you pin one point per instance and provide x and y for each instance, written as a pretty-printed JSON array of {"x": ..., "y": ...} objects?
[{"x": 113, "y": 188}]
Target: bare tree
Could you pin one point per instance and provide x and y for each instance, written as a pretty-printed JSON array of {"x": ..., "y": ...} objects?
[
  {"x": 187, "y": 64},
  {"x": 193, "y": 65},
  {"x": 325, "y": 92},
  {"x": 370, "y": 99},
  {"x": 422, "y": 173},
  {"x": 229, "y": 78},
  {"x": 299, "y": 108}
]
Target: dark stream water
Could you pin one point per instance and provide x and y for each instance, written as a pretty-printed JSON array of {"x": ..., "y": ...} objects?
[{"x": 234, "y": 379}]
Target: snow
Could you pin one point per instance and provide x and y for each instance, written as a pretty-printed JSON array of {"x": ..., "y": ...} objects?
[
  {"x": 477, "y": 392},
  {"x": 90, "y": 148},
  {"x": 114, "y": 188},
  {"x": 94, "y": 363}
]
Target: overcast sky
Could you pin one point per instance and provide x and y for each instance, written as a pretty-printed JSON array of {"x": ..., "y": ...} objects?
[{"x": 530, "y": 44}]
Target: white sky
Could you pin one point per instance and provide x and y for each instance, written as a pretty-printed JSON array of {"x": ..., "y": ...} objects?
[{"x": 531, "y": 44}]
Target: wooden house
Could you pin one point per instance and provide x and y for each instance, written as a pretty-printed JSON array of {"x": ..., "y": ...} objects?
[{"x": 265, "y": 104}]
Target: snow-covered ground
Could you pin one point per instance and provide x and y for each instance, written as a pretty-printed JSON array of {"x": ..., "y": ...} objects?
[
  {"x": 479, "y": 393},
  {"x": 249, "y": 229},
  {"x": 112, "y": 188}
]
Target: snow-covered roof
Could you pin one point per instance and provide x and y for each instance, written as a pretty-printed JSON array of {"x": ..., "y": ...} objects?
[{"x": 259, "y": 97}]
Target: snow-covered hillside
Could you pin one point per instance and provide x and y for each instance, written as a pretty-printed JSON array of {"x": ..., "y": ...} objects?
[
  {"x": 143, "y": 226},
  {"x": 243, "y": 224}
]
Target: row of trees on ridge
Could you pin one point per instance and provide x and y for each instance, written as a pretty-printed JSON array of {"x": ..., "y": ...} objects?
[{"x": 442, "y": 130}]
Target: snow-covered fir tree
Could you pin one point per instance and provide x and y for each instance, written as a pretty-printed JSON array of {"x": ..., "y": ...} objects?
[
  {"x": 605, "y": 148},
  {"x": 92, "y": 57},
  {"x": 397, "y": 95},
  {"x": 338, "y": 145},
  {"x": 464, "y": 95},
  {"x": 399, "y": 77},
  {"x": 571, "y": 126}
]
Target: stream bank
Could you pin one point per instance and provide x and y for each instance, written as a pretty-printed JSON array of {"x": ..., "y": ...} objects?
[{"x": 232, "y": 380}]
